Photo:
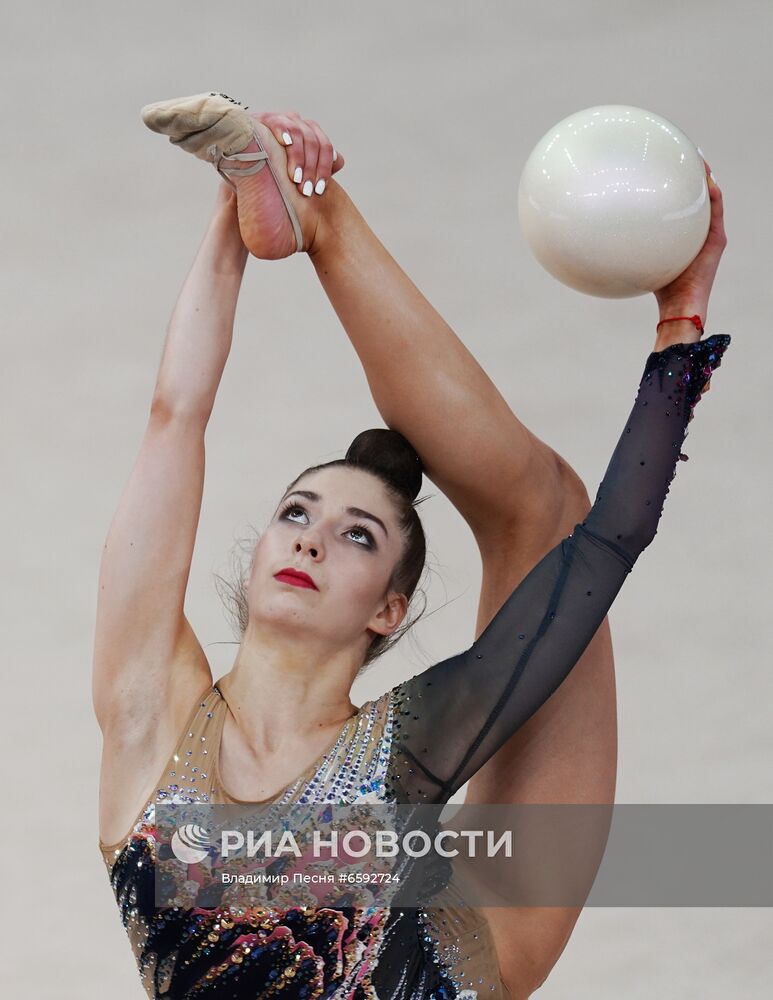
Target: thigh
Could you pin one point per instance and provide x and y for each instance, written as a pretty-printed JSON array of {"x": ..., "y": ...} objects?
[{"x": 566, "y": 752}]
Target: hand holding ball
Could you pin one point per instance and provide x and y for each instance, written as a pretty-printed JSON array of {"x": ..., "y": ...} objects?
[{"x": 613, "y": 201}]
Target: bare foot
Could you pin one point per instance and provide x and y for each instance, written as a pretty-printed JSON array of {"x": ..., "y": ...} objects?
[{"x": 263, "y": 220}]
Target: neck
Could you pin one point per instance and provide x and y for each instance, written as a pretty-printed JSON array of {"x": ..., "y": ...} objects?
[{"x": 279, "y": 686}]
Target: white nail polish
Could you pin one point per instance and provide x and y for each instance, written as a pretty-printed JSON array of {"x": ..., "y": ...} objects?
[
  {"x": 308, "y": 188},
  {"x": 298, "y": 175},
  {"x": 287, "y": 139},
  {"x": 711, "y": 175},
  {"x": 319, "y": 187},
  {"x": 335, "y": 156},
  {"x": 700, "y": 151}
]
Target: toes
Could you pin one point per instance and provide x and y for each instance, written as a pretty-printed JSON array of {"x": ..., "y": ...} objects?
[{"x": 195, "y": 123}]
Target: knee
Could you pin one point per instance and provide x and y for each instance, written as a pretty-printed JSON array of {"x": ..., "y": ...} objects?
[
  {"x": 573, "y": 489},
  {"x": 552, "y": 500}
]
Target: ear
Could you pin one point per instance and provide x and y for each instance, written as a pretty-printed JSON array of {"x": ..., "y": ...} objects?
[{"x": 393, "y": 611}]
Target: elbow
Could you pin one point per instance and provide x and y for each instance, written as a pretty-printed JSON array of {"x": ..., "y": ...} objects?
[{"x": 575, "y": 500}]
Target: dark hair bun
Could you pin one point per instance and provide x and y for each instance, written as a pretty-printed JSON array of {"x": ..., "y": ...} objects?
[{"x": 391, "y": 456}]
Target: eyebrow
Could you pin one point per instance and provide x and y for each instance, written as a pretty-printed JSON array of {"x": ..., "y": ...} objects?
[{"x": 356, "y": 511}]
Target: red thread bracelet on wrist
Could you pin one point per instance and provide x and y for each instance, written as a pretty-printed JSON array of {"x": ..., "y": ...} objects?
[{"x": 696, "y": 320}]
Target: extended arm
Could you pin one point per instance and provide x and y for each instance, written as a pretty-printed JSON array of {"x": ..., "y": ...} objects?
[
  {"x": 464, "y": 708},
  {"x": 143, "y": 641}
]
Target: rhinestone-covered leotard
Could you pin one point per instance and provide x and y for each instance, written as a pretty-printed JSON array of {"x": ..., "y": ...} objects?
[{"x": 419, "y": 742}]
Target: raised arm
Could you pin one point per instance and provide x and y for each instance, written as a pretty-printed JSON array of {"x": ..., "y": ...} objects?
[
  {"x": 147, "y": 660},
  {"x": 458, "y": 713}
]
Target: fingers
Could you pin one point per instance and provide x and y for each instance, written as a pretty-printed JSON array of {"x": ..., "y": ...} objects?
[
  {"x": 338, "y": 161},
  {"x": 324, "y": 158},
  {"x": 330, "y": 160},
  {"x": 311, "y": 158},
  {"x": 718, "y": 216},
  {"x": 710, "y": 176},
  {"x": 288, "y": 133},
  {"x": 717, "y": 225}
]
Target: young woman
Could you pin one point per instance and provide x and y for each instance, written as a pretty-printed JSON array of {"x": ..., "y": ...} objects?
[{"x": 330, "y": 585}]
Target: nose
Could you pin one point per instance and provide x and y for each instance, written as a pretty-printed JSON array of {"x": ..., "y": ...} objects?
[{"x": 309, "y": 544}]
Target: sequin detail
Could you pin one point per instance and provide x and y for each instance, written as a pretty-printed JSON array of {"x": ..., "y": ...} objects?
[
  {"x": 692, "y": 365},
  {"x": 190, "y": 951}
]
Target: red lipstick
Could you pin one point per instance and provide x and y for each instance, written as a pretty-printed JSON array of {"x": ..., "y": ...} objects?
[{"x": 295, "y": 577}]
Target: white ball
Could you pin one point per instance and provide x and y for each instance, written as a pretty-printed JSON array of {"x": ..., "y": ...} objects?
[{"x": 613, "y": 201}]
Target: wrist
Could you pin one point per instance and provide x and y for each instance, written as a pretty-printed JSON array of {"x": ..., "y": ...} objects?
[
  {"x": 681, "y": 332},
  {"x": 678, "y": 331},
  {"x": 225, "y": 239}
]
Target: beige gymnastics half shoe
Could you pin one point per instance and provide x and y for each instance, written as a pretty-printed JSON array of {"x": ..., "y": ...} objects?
[{"x": 214, "y": 127}]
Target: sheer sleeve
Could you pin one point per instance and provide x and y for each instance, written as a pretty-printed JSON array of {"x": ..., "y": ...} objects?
[{"x": 451, "y": 718}]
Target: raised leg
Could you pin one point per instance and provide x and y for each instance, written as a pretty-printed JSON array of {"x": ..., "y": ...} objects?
[{"x": 424, "y": 381}]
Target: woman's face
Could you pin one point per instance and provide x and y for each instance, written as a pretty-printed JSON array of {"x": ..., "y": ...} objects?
[{"x": 339, "y": 527}]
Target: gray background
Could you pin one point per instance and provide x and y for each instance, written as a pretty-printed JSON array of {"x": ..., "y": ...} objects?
[{"x": 436, "y": 107}]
